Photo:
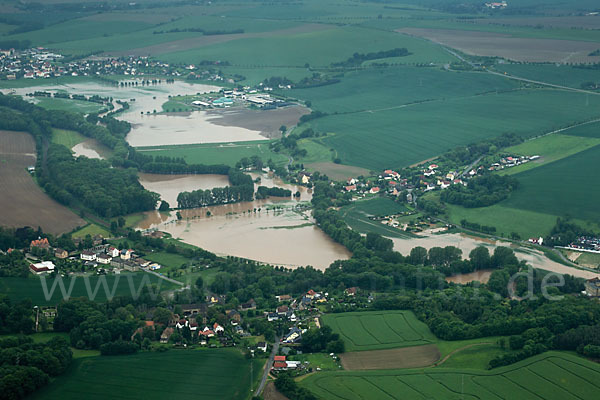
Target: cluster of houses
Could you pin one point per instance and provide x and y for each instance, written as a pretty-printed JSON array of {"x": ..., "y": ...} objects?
[
  {"x": 497, "y": 5},
  {"x": 511, "y": 161},
  {"x": 39, "y": 62},
  {"x": 586, "y": 244},
  {"x": 280, "y": 363}
]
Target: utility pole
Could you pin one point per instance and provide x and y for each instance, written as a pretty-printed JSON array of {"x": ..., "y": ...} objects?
[{"x": 37, "y": 317}]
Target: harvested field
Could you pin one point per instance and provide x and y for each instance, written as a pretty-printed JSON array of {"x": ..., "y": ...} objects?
[
  {"x": 513, "y": 48},
  {"x": 337, "y": 171},
  {"x": 584, "y": 22},
  {"x": 408, "y": 357},
  {"x": 267, "y": 122},
  {"x": 22, "y": 202},
  {"x": 202, "y": 41}
]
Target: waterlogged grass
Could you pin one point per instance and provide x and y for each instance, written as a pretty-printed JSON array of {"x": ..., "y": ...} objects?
[
  {"x": 550, "y": 376},
  {"x": 203, "y": 374},
  {"x": 49, "y": 291},
  {"x": 80, "y": 106}
]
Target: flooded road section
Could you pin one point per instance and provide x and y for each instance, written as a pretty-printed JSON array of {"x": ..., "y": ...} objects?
[
  {"x": 268, "y": 230},
  {"x": 150, "y": 127},
  {"x": 466, "y": 243}
]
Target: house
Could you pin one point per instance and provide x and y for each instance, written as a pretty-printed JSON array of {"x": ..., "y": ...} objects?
[
  {"x": 272, "y": 317},
  {"x": 191, "y": 309},
  {"x": 88, "y": 255},
  {"x": 262, "y": 346},
  {"x": 350, "y": 188},
  {"x": 293, "y": 364},
  {"x": 279, "y": 365},
  {"x": 61, "y": 253},
  {"x": 126, "y": 254},
  {"x": 250, "y": 305},
  {"x": 113, "y": 252},
  {"x": 234, "y": 316},
  {"x": 207, "y": 332},
  {"x": 311, "y": 294},
  {"x": 293, "y": 336},
  {"x": 218, "y": 329},
  {"x": 351, "y": 291},
  {"x": 164, "y": 337},
  {"x": 42, "y": 267},
  {"x": 280, "y": 358},
  {"x": 149, "y": 323},
  {"x": 283, "y": 297},
  {"x": 182, "y": 323},
  {"x": 592, "y": 287},
  {"x": 374, "y": 190},
  {"x": 42, "y": 244},
  {"x": 103, "y": 259},
  {"x": 282, "y": 310}
]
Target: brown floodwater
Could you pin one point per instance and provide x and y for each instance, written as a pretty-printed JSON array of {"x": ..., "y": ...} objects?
[
  {"x": 482, "y": 276},
  {"x": 169, "y": 186},
  {"x": 278, "y": 237},
  {"x": 91, "y": 149},
  {"x": 466, "y": 243}
]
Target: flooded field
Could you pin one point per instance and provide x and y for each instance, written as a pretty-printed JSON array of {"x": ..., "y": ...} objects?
[
  {"x": 169, "y": 186},
  {"x": 269, "y": 230},
  {"x": 482, "y": 276},
  {"x": 150, "y": 127},
  {"x": 91, "y": 149},
  {"x": 467, "y": 243}
]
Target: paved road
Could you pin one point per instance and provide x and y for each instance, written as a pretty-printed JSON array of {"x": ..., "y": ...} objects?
[
  {"x": 268, "y": 367},
  {"x": 162, "y": 276}
]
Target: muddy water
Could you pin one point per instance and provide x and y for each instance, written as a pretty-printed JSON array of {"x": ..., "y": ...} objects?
[
  {"x": 169, "y": 186},
  {"x": 277, "y": 237},
  {"x": 467, "y": 243},
  {"x": 482, "y": 276},
  {"x": 91, "y": 149},
  {"x": 151, "y": 128}
]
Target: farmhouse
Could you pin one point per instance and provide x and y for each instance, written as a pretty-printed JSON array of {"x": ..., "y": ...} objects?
[
  {"x": 88, "y": 255},
  {"x": 283, "y": 297},
  {"x": 61, "y": 253},
  {"x": 103, "y": 259},
  {"x": 42, "y": 244},
  {"x": 42, "y": 267},
  {"x": 250, "y": 305},
  {"x": 592, "y": 287}
]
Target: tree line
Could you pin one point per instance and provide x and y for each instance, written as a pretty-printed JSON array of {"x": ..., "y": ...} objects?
[{"x": 481, "y": 191}]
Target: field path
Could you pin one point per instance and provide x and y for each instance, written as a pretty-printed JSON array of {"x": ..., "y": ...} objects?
[
  {"x": 268, "y": 367},
  {"x": 443, "y": 360}
]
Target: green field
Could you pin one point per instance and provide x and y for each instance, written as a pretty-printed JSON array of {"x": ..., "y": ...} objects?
[
  {"x": 379, "y": 330},
  {"x": 393, "y": 138},
  {"x": 91, "y": 229},
  {"x": 121, "y": 285},
  {"x": 547, "y": 376},
  {"x": 563, "y": 75},
  {"x": 357, "y": 214},
  {"x": 202, "y": 374},
  {"x": 218, "y": 153},
  {"x": 550, "y": 148},
  {"x": 570, "y": 186},
  {"x": 85, "y": 107},
  {"x": 67, "y": 138},
  {"x": 588, "y": 130}
]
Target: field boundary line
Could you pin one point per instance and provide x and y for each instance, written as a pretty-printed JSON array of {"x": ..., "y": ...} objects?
[
  {"x": 366, "y": 379},
  {"x": 452, "y": 390},
  {"x": 521, "y": 386},
  {"x": 366, "y": 330},
  {"x": 443, "y": 360},
  {"x": 392, "y": 329},
  {"x": 566, "y": 370},
  {"x": 549, "y": 381}
]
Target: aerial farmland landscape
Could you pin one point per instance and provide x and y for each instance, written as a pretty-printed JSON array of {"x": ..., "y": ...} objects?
[{"x": 300, "y": 199}]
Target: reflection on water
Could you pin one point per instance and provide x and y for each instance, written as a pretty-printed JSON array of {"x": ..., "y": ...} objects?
[
  {"x": 482, "y": 276},
  {"x": 467, "y": 243}
]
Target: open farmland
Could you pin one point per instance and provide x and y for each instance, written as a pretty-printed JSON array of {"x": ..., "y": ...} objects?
[
  {"x": 357, "y": 214},
  {"x": 547, "y": 376},
  {"x": 491, "y": 44},
  {"x": 33, "y": 288},
  {"x": 406, "y": 357},
  {"x": 556, "y": 74},
  {"x": 23, "y": 203},
  {"x": 201, "y": 374},
  {"x": 379, "y": 330},
  {"x": 402, "y": 135},
  {"x": 570, "y": 186}
]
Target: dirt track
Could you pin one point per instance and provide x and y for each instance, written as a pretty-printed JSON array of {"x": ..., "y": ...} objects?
[
  {"x": 22, "y": 202},
  {"x": 407, "y": 357}
]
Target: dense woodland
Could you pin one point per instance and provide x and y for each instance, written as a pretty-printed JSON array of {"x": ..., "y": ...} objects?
[
  {"x": 481, "y": 191},
  {"x": 241, "y": 189}
]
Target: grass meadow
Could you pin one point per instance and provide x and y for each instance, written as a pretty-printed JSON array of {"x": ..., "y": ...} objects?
[
  {"x": 67, "y": 138},
  {"x": 218, "y": 153},
  {"x": 201, "y": 374},
  {"x": 379, "y": 330},
  {"x": 357, "y": 214},
  {"x": 119, "y": 285},
  {"x": 547, "y": 376}
]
